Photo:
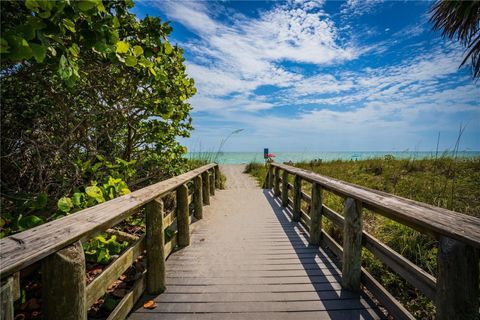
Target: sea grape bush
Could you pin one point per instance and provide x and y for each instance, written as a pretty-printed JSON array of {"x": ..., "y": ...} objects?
[
  {"x": 101, "y": 249},
  {"x": 88, "y": 91}
]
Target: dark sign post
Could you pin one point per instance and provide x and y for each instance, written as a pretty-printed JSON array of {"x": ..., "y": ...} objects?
[{"x": 265, "y": 153}]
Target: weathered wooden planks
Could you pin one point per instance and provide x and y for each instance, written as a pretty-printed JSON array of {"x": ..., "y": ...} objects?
[
  {"x": 28, "y": 247},
  {"x": 155, "y": 245},
  {"x": 251, "y": 262},
  {"x": 63, "y": 284}
]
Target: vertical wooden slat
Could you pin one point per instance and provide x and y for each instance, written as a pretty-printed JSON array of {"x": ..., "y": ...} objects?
[
  {"x": 197, "y": 197},
  {"x": 217, "y": 177},
  {"x": 270, "y": 177},
  {"x": 155, "y": 245},
  {"x": 276, "y": 190},
  {"x": 285, "y": 188},
  {"x": 315, "y": 215},
  {"x": 63, "y": 284},
  {"x": 6, "y": 299},
  {"x": 183, "y": 217},
  {"x": 212, "y": 182},
  {"x": 457, "y": 281},
  {"x": 352, "y": 245},
  {"x": 297, "y": 198},
  {"x": 205, "y": 188}
]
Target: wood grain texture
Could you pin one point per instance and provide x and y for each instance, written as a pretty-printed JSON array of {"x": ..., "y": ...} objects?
[
  {"x": 63, "y": 284},
  {"x": 249, "y": 261},
  {"x": 212, "y": 182},
  {"x": 25, "y": 248},
  {"x": 284, "y": 188},
  {"x": 205, "y": 188},
  {"x": 276, "y": 183},
  {"x": 6, "y": 299},
  {"x": 183, "y": 219},
  {"x": 155, "y": 245},
  {"x": 197, "y": 198},
  {"x": 315, "y": 215},
  {"x": 352, "y": 244},
  {"x": 458, "y": 281},
  {"x": 420, "y": 216},
  {"x": 297, "y": 200}
]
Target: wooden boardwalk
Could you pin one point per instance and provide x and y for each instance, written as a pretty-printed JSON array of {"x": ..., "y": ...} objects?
[{"x": 247, "y": 260}]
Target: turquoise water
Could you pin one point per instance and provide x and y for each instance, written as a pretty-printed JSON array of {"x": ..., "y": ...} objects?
[{"x": 247, "y": 157}]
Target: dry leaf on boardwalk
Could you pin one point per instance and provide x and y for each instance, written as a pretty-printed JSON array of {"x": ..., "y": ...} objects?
[{"x": 150, "y": 304}]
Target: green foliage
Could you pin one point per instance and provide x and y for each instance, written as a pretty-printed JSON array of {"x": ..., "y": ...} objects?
[
  {"x": 36, "y": 211},
  {"x": 101, "y": 249},
  {"x": 56, "y": 32},
  {"x": 88, "y": 91}
]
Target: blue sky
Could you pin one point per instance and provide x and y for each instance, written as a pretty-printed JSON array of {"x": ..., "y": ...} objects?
[{"x": 321, "y": 76}]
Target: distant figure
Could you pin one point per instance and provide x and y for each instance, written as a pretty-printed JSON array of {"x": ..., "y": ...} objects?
[
  {"x": 290, "y": 163},
  {"x": 269, "y": 157}
]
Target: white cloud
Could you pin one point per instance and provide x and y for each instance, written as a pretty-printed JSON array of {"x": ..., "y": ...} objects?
[
  {"x": 248, "y": 53},
  {"x": 360, "y": 7}
]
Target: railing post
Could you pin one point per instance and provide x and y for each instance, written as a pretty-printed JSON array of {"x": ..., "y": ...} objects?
[
  {"x": 297, "y": 198},
  {"x": 183, "y": 218},
  {"x": 63, "y": 284},
  {"x": 217, "y": 177},
  {"x": 285, "y": 188},
  {"x": 212, "y": 182},
  {"x": 9, "y": 293},
  {"x": 205, "y": 188},
  {"x": 315, "y": 215},
  {"x": 457, "y": 281},
  {"x": 155, "y": 245},
  {"x": 352, "y": 245},
  {"x": 276, "y": 186},
  {"x": 197, "y": 197},
  {"x": 270, "y": 177}
]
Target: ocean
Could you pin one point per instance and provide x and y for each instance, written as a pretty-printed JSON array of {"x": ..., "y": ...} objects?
[{"x": 247, "y": 157}]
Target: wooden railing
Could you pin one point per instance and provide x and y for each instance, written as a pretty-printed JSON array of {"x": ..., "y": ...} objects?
[
  {"x": 57, "y": 246},
  {"x": 455, "y": 291}
]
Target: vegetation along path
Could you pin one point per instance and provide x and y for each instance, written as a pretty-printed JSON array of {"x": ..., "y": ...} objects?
[{"x": 247, "y": 260}]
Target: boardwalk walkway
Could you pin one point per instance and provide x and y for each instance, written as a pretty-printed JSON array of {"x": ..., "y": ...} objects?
[{"x": 247, "y": 260}]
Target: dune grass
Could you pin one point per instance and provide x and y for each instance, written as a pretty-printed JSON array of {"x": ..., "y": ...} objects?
[{"x": 444, "y": 182}]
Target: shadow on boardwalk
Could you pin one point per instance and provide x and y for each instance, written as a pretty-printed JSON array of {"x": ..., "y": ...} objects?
[{"x": 317, "y": 263}]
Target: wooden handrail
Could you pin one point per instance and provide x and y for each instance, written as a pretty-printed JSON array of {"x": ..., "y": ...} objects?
[
  {"x": 456, "y": 289},
  {"x": 58, "y": 247},
  {"x": 420, "y": 216},
  {"x": 23, "y": 249}
]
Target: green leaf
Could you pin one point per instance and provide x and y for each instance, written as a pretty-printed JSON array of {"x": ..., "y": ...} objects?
[
  {"x": 130, "y": 61},
  {"x": 77, "y": 199},
  {"x": 69, "y": 25},
  {"x": 168, "y": 48},
  {"x": 137, "y": 50},
  {"x": 29, "y": 222},
  {"x": 31, "y": 4},
  {"x": 122, "y": 47},
  {"x": 39, "y": 52},
  {"x": 86, "y": 5},
  {"x": 115, "y": 22},
  {"x": 4, "y": 47},
  {"x": 19, "y": 48},
  {"x": 41, "y": 201},
  {"x": 74, "y": 50},
  {"x": 65, "y": 204},
  {"x": 109, "y": 303},
  {"x": 95, "y": 192}
]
